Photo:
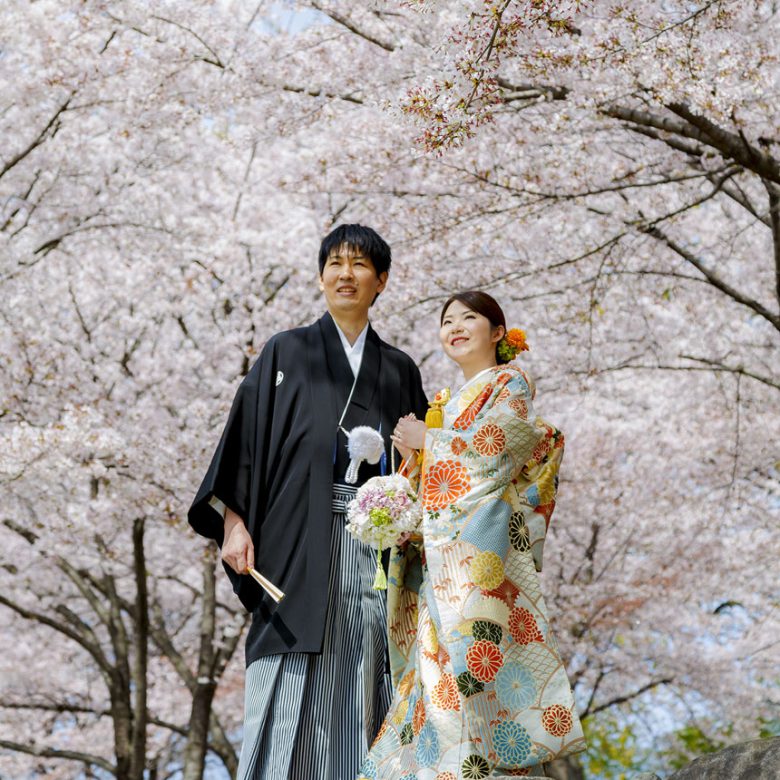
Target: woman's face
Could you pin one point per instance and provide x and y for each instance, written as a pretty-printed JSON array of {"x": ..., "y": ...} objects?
[{"x": 468, "y": 337}]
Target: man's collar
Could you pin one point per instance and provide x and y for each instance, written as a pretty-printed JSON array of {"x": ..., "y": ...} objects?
[{"x": 359, "y": 341}]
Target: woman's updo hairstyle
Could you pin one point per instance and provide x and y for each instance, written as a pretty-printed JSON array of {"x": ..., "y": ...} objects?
[{"x": 481, "y": 303}]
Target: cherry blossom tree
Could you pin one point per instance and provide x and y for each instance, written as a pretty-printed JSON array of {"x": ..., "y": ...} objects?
[{"x": 607, "y": 170}]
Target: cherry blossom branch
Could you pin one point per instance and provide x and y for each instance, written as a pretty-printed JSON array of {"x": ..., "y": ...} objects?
[
  {"x": 564, "y": 196},
  {"x": 699, "y": 128},
  {"x": 62, "y": 628},
  {"x": 774, "y": 218},
  {"x": 735, "y": 192},
  {"x": 717, "y": 365},
  {"x": 713, "y": 278},
  {"x": 692, "y": 150},
  {"x": 318, "y": 91},
  {"x": 625, "y": 697},
  {"x": 533, "y": 92},
  {"x": 351, "y": 26},
  {"x": 72, "y": 755},
  {"x": 215, "y": 58},
  {"x": 49, "y": 129},
  {"x": 710, "y": 366},
  {"x": 731, "y": 144}
]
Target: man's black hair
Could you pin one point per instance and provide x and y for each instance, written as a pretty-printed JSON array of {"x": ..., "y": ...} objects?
[{"x": 359, "y": 237}]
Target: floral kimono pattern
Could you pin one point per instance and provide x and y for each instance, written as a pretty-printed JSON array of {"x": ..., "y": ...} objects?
[{"x": 480, "y": 687}]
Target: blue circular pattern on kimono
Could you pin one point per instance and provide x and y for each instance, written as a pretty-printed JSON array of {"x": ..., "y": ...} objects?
[
  {"x": 515, "y": 686},
  {"x": 408, "y": 776},
  {"x": 511, "y": 742},
  {"x": 427, "y": 752},
  {"x": 368, "y": 769}
]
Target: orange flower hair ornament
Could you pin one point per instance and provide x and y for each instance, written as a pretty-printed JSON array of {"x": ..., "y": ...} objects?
[{"x": 512, "y": 343}]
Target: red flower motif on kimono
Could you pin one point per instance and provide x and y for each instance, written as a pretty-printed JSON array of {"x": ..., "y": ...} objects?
[
  {"x": 523, "y": 628},
  {"x": 484, "y": 659},
  {"x": 545, "y": 510},
  {"x": 469, "y": 414},
  {"x": 541, "y": 449},
  {"x": 489, "y": 440},
  {"x": 507, "y": 591},
  {"x": 502, "y": 396},
  {"x": 519, "y": 407},
  {"x": 445, "y": 693},
  {"x": 445, "y": 776},
  {"x": 557, "y": 720},
  {"x": 418, "y": 719},
  {"x": 458, "y": 445},
  {"x": 444, "y": 483}
]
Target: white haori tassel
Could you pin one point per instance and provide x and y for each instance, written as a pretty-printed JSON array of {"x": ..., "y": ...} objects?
[{"x": 363, "y": 443}]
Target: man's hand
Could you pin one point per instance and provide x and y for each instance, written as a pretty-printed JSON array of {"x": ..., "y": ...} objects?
[{"x": 238, "y": 552}]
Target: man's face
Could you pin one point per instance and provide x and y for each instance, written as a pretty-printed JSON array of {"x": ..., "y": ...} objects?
[{"x": 350, "y": 282}]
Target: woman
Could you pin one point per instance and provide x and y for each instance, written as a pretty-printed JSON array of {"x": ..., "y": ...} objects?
[{"x": 480, "y": 688}]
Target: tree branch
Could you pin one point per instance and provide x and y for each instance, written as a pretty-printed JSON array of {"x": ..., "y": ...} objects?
[
  {"x": 713, "y": 278},
  {"x": 627, "y": 697},
  {"x": 709, "y": 365},
  {"x": 91, "y": 647},
  {"x": 41, "y": 137},
  {"x": 72, "y": 755},
  {"x": 774, "y": 219},
  {"x": 215, "y": 58},
  {"x": 731, "y": 144},
  {"x": 350, "y": 25},
  {"x": 700, "y": 129},
  {"x": 531, "y": 91},
  {"x": 316, "y": 92}
]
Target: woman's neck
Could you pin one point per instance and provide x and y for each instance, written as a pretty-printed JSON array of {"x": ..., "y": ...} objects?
[{"x": 470, "y": 370}]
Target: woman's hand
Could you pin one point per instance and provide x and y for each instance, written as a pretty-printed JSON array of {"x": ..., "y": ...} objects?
[{"x": 409, "y": 435}]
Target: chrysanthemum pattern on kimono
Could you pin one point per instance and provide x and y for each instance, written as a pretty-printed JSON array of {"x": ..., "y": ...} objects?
[{"x": 480, "y": 687}]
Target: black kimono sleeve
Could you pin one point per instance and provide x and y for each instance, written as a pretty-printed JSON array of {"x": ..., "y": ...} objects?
[
  {"x": 235, "y": 463},
  {"x": 419, "y": 401}
]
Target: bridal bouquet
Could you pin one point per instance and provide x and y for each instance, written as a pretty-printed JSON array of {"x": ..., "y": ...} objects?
[{"x": 382, "y": 510}]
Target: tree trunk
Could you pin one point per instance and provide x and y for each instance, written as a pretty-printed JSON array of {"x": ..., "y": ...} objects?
[
  {"x": 140, "y": 661},
  {"x": 203, "y": 695}
]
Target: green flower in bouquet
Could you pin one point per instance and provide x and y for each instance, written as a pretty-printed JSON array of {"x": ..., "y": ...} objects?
[{"x": 380, "y": 517}]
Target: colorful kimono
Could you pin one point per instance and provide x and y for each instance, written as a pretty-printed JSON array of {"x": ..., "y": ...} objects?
[{"x": 480, "y": 687}]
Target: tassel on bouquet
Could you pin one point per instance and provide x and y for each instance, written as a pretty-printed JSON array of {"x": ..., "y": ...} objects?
[{"x": 383, "y": 509}]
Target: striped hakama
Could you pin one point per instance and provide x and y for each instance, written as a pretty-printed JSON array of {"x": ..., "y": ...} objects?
[{"x": 315, "y": 716}]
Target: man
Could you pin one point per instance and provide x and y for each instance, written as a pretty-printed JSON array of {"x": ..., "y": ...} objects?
[{"x": 317, "y": 684}]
